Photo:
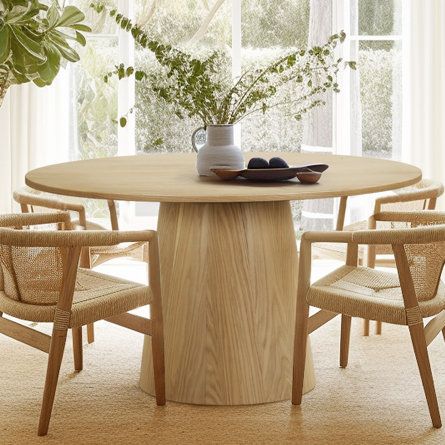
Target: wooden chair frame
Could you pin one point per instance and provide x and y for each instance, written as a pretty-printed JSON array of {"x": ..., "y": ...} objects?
[
  {"x": 429, "y": 194},
  {"x": 421, "y": 336},
  {"x": 27, "y": 203},
  {"x": 71, "y": 243}
]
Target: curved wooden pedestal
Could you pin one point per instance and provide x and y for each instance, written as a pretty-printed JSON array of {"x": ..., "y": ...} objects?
[{"x": 229, "y": 279}]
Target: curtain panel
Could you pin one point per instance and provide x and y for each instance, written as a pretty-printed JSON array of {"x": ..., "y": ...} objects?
[
  {"x": 424, "y": 88},
  {"x": 34, "y": 131}
]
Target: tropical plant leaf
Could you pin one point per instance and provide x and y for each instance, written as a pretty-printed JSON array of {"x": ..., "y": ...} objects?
[
  {"x": 71, "y": 16},
  {"x": 17, "y": 13},
  {"x": 65, "y": 50},
  {"x": 49, "y": 70},
  {"x": 81, "y": 27},
  {"x": 80, "y": 38},
  {"x": 5, "y": 44},
  {"x": 29, "y": 45},
  {"x": 53, "y": 15}
]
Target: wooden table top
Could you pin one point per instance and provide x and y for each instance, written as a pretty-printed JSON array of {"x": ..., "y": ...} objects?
[{"x": 173, "y": 178}]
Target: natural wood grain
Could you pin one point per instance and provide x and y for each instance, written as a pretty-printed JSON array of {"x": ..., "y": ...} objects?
[
  {"x": 423, "y": 362},
  {"x": 173, "y": 178},
  {"x": 157, "y": 318},
  {"x": 344, "y": 340},
  {"x": 434, "y": 326},
  {"x": 90, "y": 333},
  {"x": 24, "y": 334},
  {"x": 58, "y": 338},
  {"x": 366, "y": 328},
  {"x": 229, "y": 276},
  {"x": 77, "y": 348},
  {"x": 58, "y": 341},
  {"x": 319, "y": 319},
  {"x": 341, "y": 213},
  {"x": 227, "y": 316},
  {"x": 301, "y": 323},
  {"x": 133, "y": 322},
  {"x": 417, "y": 333}
]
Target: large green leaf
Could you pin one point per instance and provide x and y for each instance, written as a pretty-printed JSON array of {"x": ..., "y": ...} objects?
[
  {"x": 5, "y": 44},
  {"x": 17, "y": 13},
  {"x": 29, "y": 45},
  {"x": 49, "y": 70},
  {"x": 80, "y": 27},
  {"x": 19, "y": 75},
  {"x": 21, "y": 59},
  {"x": 71, "y": 16},
  {"x": 32, "y": 48},
  {"x": 65, "y": 50},
  {"x": 53, "y": 15},
  {"x": 80, "y": 38}
]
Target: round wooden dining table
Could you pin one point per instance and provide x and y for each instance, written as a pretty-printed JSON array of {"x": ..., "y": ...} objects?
[{"x": 229, "y": 263}]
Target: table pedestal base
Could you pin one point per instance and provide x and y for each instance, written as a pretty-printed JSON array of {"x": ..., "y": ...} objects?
[{"x": 229, "y": 280}]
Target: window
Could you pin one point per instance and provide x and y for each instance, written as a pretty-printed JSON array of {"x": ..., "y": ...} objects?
[
  {"x": 250, "y": 30},
  {"x": 371, "y": 106},
  {"x": 367, "y": 113}
]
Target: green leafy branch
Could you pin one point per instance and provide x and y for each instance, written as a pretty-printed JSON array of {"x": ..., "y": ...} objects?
[
  {"x": 204, "y": 88},
  {"x": 34, "y": 41}
]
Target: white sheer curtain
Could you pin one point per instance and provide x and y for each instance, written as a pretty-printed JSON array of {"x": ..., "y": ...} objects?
[
  {"x": 34, "y": 131},
  {"x": 318, "y": 124},
  {"x": 424, "y": 88}
]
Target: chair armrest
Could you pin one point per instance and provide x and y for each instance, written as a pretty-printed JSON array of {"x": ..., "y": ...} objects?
[
  {"x": 54, "y": 203},
  {"x": 432, "y": 231},
  {"x": 328, "y": 237},
  {"x": 71, "y": 238},
  {"x": 34, "y": 219},
  {"x": 433, "y": 190},
  {"x": 422, "y": 217},
  {"x": 89, "y": 225}
]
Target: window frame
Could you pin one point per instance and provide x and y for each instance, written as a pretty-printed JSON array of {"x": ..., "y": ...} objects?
[
  {"x": 342, "y": 142},
  {"x": 343, "y": 138}
]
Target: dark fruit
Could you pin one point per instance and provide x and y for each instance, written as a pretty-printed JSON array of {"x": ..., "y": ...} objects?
[
  {"x": 278, "y": 163},
  {"x": 258, "y": 163}
]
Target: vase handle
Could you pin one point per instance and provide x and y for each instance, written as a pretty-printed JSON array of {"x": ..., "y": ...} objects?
[{"x": 195, "y": 148}]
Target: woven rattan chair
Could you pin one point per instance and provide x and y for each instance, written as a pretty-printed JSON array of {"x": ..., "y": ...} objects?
[
  {"x": 420, "y": 196},
  {"x": 40, "y": 282},
  {"x": 31, "y": 201},
  {"x": 405, "y": 298}
]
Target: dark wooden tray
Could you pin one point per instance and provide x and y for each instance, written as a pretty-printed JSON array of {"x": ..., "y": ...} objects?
[{"x": 307, "y": 174}]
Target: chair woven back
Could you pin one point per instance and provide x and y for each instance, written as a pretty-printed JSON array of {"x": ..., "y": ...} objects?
[
  {"x": 32, "y": 275},
  {"x": 29, "y": 274},
  {"x": 35, "y": 201},
  {"x": 421, "y": 194},
  {"x": 426, "y": 263}
]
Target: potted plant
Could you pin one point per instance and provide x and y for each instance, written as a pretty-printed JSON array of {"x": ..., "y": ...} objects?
[
  {"x": 204, "y": 89},
  {"x": 34, "y": 41}
]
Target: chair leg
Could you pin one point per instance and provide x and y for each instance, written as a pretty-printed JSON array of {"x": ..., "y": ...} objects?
[
  {"x": 90, "y": 333},
  {"x": 57, "y": 347},
  {"x": 300, "y": 344},
  {"x": 157, "y": 346},
  {"x": 420, "y": 349},
  {"x": 443, "y": 333},
  {"x": 365, "y": 328},
  {"x": 378, "y": 328},
  {"x": 77, "y": 348},
  {"x": 344, "y": 340}
]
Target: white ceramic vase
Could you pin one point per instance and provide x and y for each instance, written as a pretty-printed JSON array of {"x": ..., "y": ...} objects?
[{"x": 219, "y": 151}]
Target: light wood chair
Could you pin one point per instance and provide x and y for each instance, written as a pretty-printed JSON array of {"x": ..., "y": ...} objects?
[
  {"x": 405, "y": 298},
  {"x": 420, "y": 196},
  {"x": 31, "y": 201},
  {"x": 40, "y": 281}
]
